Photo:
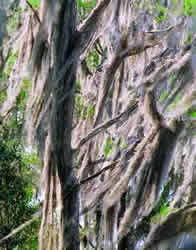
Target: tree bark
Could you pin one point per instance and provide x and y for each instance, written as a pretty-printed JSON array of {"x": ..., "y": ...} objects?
[{"x": 55, "y": 57}]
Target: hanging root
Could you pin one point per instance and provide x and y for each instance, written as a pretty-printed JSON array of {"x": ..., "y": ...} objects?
[
  {"x": 110, "y": 225},
  {"x": 122, "y": 185}
]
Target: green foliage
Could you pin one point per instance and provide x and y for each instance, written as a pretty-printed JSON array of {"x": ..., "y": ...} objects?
[
  {"x": 175, "y": 102},
  {"x": 3, "y": 96},
  {"x": 122, "y": 143},
  {"x": 80, "y": 107},
  {"x": 164, "y": 211},
  {"x": 191, "y": 113},
  {"x": 162, "y": 13},
  {"x": 12, "y": 57},
  {"x": 17, "y": 171},
  {"x": 3, "y": 76},
  {"x": 82, "y": 4},
  {"x": 172, "y": 78},
  {"x": 190, "y": 7},
  {"x": 17, "y": 116},
  {"x": 108, "y": 147},
  {"x": 10, "y": 63},
  {"x": 188, "y": 40},
  {"x": 91, "y": 111},
  {"x": 30, "y": 158},
  {"x": 161, "y": 209},
  {"x": 16, "y": 193},
  {"x": 23, "y": 96},
  {"x": 35, "y": 3},
  {"x": 163, "y": 96},
  {"x": 14, "y": 20},
  {"x": 84, "y": 232},
  {"x": 78, "y": 86},
  {"x": 93, "y": 59},
  {"x": 85, "y": 7},
  {"x": 83, "y": 110}
]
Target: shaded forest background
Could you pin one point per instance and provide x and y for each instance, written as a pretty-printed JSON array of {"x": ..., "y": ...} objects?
[{"x": 98, "y": 124}]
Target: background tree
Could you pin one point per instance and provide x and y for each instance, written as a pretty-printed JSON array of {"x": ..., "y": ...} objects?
[
  {"x": 16, "y": 196},
  {"x": 18, "y": 180}
]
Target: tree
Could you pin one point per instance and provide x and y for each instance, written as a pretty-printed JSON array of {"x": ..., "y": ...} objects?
[
  {"x": 17, "y": 203},
  {"x": 55, "y": 58},
  {"x": 135, "y": 93},
  {"x": 16, "y": 196}
]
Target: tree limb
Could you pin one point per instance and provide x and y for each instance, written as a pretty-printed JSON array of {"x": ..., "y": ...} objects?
[
  {"x": 176, "y": 222},
  {"x": 105, "y": 125},
  {"x": 21, "y": 227},
  {"x": 88, "y": 27},
  {"x": 34, "y": 11},
  {"x": 87, "y": 24},
  {"x": 140, "y": 44},
  {"x": 113, "y": 164},
  {"x": 101, "y": 160},
  {"x": 84, "y": 36},
  {"x": 166, "y": 29},
  {"x": 84, "y": 181}
]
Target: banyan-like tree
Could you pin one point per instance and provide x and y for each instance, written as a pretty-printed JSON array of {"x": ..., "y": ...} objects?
[{"x": 112, "y": 112}]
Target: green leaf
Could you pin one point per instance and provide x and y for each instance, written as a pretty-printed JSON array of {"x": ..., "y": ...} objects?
[
  {"x": 122, "y": 143},
  {"x": 192, "y": 113},
  {"x": 162, "y": 13},
  {"x": 91, "y": 111},
  {"x": 108, "y": 146},
  {"x": 190, "y": 7},
  {"x": 163, "y": 96},
  {"x": 35, "y": 3},
  {"x": 188, "y": 40}
]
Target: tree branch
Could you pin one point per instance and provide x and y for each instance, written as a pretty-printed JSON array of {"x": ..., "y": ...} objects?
[
  {"x": 84, "y": 181},
  {"x": 34, "y": 11},
  {"x": 139, "y": 44},
  {"x": 85, "y": 37},
  {"x": 95, "y": 16},
  {"x": 161, "y": 71},
  {"x": 106, "y": 125},
  {"x": 176, "y": 222},
  {"x": 88, "y": 27},
  {"x": 101, "y": 160},
  {"x": 21, "y": 227},
  {"x": 166, "y": 29},
  {"x": 113, "y": 164}
]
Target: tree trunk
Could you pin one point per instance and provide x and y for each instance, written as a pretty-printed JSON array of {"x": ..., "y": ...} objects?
[
  {"x": 56, "y": 52},
  {"x": 53, "y": 48}
]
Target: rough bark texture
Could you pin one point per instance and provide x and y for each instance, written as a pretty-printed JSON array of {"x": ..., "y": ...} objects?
[
  {"x": 139, "y": 67},
  {"x": 57, "y": 46},
  {"x": 132, "y": 133}
]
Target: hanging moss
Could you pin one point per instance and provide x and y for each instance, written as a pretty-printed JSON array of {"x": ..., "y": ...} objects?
[
  {"x": 14, "y": 20},
  {"x": 10, "y": 63},
  {"x": 23, "y": 96},
  {"x": 83, "y": 110},
  {"x": 93, "y": 59}
]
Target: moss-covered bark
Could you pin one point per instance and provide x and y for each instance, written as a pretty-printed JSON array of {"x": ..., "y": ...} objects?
[{"x": 132, "y": 129}]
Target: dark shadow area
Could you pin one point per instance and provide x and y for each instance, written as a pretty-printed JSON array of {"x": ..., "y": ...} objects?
[
  {"x": 189, "y": 246},
  {"x": 3, "y": 19}
]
